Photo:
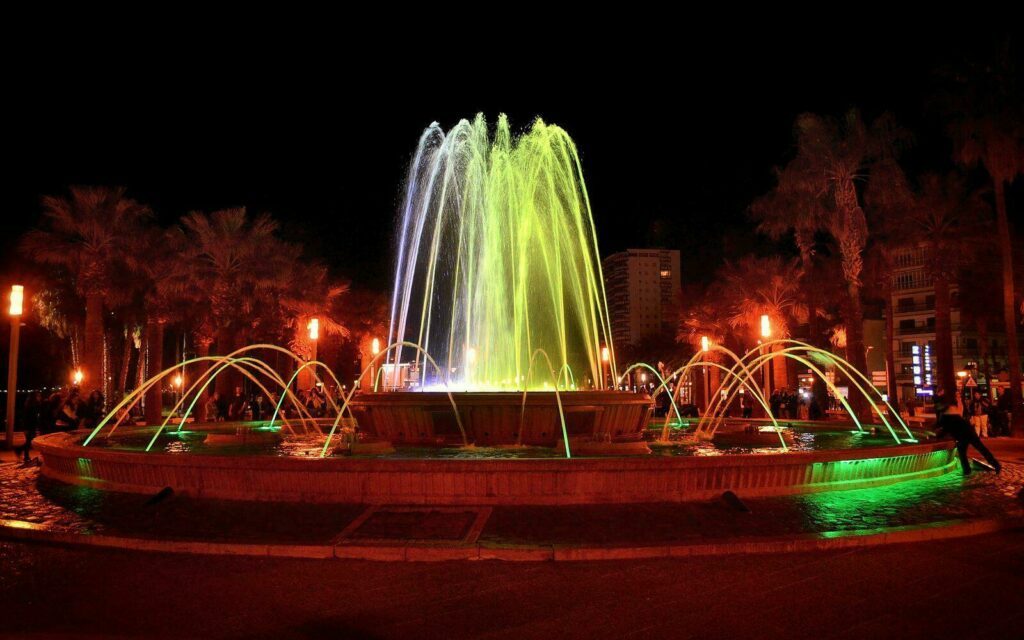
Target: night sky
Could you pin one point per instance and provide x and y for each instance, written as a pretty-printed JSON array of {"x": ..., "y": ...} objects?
[{"x": 675, "y": 142}]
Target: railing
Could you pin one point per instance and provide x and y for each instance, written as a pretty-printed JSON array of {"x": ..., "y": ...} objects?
[
  {"x": 922, "y": 328},
  {"x": 914, "y": 308}
]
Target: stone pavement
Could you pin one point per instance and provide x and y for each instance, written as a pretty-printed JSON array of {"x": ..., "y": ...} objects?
[
  {"x": 26, "y": 497},
  {"x": 968, "y": 588}
]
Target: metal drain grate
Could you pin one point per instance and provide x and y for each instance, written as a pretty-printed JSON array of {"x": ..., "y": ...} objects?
[{"x": 417, "y": 524}]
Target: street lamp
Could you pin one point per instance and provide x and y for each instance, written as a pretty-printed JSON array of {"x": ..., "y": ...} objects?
[
  {"x": 705, "y": 346},
  {"x": 766, "y": 332},
  {"x": 314, "y": 335},
  {"x": 178, "y": 383},
  {"x": 77, "y": 377},
  {"x": 606, "y": 356},
  {"x": 17, "y": 300},
  {"x": 375, "y": 348}
]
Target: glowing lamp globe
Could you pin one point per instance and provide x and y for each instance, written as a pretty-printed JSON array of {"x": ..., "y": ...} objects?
[{"x": 17, "y": 300}]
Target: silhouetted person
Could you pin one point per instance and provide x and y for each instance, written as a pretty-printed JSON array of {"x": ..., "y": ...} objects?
[
  {"x": 951, "y": 422},
  {"x": 748, "y": 411},
  {"x": 66, "y": 417},
  {"x": 775, "y": 402},
  {"x": 978, "y": 412},
  {"x": 238, "y": 406},
  {"x": 256, "y": 405},
  {"x": 33, "y": 412},
  {"x": 215, "y": 409},
  {"x": 92, "y": 410},
  {"x": 792, "y": 405}
]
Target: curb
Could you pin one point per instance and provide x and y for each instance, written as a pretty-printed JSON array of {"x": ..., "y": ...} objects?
[{"x": 26, "y": 531}]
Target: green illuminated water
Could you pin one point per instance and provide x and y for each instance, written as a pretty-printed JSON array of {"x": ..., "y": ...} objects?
[{"x": 498, "y": 258}]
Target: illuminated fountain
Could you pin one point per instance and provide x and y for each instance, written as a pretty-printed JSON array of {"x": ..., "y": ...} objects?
[
  {"x": 498, "y": 279},
  {"x": 498, "y": 369}
]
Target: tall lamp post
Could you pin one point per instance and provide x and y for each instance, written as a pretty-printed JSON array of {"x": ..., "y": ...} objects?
[
  {"x": 314, "y": 336},
  {"x": 375, "y": 349},
  {"x": 766, "y": 332},
  {"x": 705, "y": 347},
  {"x": 606, "y": 356},
  {"x": 14, "y": 311}
]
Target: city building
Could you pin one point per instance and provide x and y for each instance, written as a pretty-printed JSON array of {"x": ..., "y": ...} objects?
[
  {"x": 913, "y": 305},
  {"x": 643, "y": 289}
]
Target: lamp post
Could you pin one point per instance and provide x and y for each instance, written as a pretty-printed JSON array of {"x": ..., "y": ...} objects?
[
  {"x": 766, "y": 332},
  {"x": 606, "y": 356},
  {"x": 705, "y": 347},
  {"x": 179, "y": 382},
  {"x": 375, "y": 349},
  {"x": 314, "y": 336},
  {"x": 14, "y": 311}
]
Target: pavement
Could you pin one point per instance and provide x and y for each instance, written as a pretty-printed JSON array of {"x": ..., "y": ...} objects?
[{"x": 968, "y": 588}]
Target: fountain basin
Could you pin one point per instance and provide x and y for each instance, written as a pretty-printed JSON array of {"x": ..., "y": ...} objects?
[
  {"x": 487, "y": 481},
  {"x": 495, "y": 419}
]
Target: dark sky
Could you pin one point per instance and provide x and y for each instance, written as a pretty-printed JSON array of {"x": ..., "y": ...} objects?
[{"x": 675, "y": 141}]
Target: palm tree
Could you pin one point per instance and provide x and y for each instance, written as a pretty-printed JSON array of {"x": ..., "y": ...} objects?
[
  {"x": 832, "y": 155},
  {"x": 233, "y": 263},
  {"x": 943, "y": 221},
  {"x": 312, "y": 294},
  {"x": 756, "y": 287},
  {"x": 706, "y": 317},
  {"x": 163, "y": 301},
  {"x": 90, "y": 235},
  {"x": 987, "y": 127}
]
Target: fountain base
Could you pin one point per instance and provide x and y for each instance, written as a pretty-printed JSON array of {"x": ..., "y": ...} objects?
[{"x": 503, "y": 418}]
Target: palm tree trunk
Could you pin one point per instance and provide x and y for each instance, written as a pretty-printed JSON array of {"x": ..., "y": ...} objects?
[
  {"x": 819, "y": 390},
  {"x": 986, "y": 370},
  {"x": 225, "y": 381},
  {"x": 155, "y": 348},
  {"x": 855, "y": 349},
  {"x": 200, "y": 368},
  {"x": 92, "y": 350},
  {"x": 944, "y": 339},
  {"x": 126, "y": 362},
  {"x": 1009, "y": 310},
  {"x": 890, "y": 356}
]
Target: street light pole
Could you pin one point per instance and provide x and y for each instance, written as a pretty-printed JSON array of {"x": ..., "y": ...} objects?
[
  {"x": 375, "y": 348},
  {"x": 766, "y": 332},
  {"x": 14, "y": 311},
  {"x": 705, "y": 347},
  {"x": 605, "y": 362},
  {"x": 314, "y": 336}
]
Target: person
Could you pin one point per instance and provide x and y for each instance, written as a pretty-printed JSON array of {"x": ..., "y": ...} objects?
[
  {"x": 238, "y": 406},
  {"x": 66, "y": 418},
  {"x": 978, "y": 412},
  {"x": 33, "y": 411},
  {"x": 214, "y": 408},
  {"x": 747, "y": 409},
  {"x": 93, "y": 410},
  {"x": 951, "y": 422},
  {"x": 1003, "y": 406},
  {"x": 792, "y": 404},
  {"x": 257, "y": 407},
  {"x": 775, "y": 402},
  {"x": 50, "y": 411}
]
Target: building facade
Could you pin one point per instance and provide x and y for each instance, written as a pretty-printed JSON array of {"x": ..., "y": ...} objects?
[
  {"x": 913, "y": 308},
  {"x": 643, "y": 289}
]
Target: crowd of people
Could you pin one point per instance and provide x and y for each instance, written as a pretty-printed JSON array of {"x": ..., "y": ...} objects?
[
  {"x": 258, "y": 406},
  {"x": 63, "y": 410}
]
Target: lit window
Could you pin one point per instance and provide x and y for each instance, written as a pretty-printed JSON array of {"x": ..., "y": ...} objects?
[{"x": 665, "y": 273}]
